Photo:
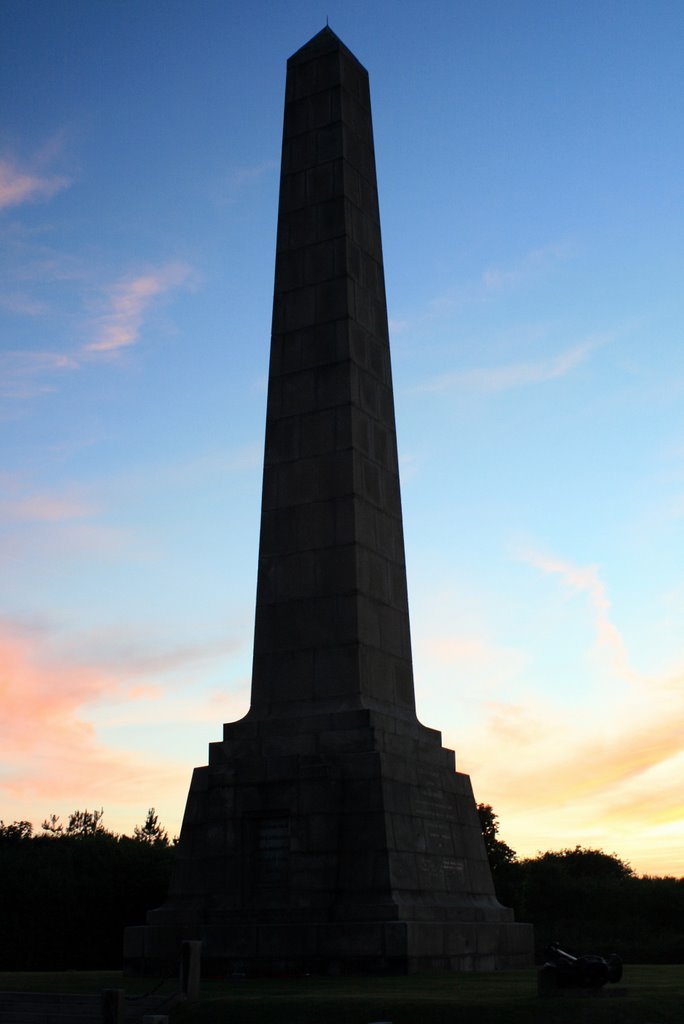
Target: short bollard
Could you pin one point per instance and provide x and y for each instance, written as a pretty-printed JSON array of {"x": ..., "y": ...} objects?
[
  {"x": 113, "y": 1006},
  {"x": 190, "y": 967}
]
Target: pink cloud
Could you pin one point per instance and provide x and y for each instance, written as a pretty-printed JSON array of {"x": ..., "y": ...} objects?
[
  {"x": 42, "y": 701},
  {"x": 47, "y": 509},
  {"x": 128, "y": 302},
  {"x": 51, "y": 758},
  {"x": 19, "y": 186}
]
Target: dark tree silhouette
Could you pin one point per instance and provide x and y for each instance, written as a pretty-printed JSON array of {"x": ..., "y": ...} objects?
[
  {"x": 67, "y": 894},
  {"x": 86, "y": 823},
  {"x": 151, "y": 831},
  {"x": 16, "y": 831},
  {"x": 500, "y": 854}
]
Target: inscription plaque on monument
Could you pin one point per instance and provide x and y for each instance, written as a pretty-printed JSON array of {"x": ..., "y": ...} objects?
[{"x": 330, "y": 829}]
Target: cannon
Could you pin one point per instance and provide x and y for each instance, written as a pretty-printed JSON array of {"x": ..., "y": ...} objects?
[{"x": 563, "y": 970}]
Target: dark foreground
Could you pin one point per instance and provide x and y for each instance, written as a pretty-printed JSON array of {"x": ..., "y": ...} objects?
[{"x": 646, "y": 995}]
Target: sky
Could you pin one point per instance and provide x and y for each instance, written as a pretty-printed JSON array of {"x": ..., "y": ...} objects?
[{"x": 530, "y": 174}]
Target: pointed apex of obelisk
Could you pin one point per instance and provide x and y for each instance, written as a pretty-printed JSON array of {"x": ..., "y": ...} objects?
[{"x": 323, "y": 42}]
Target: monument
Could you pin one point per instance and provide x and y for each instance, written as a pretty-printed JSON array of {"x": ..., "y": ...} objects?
[{"x": 330, "y": 830}]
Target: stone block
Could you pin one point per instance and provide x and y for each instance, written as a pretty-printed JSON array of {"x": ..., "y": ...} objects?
[
  {"x": 292, "y": 576},
  {"x": 289, "y": 272},
  {"x": 369, "y": 203},
  {"x": 357, "y": 153},
  {"x": 307, "y": 112},
  {"x": 350, "y": 939},
  {"x": 369, "y": 395},
  {"x": 359, "y": 796},
  {"x": 460, "y": 938},
  {"x": 297, "y": 395},
  {"x": 299, "y": 308},
  {"x": 408, "y": 833},
  {"x": 394, "y": 631},
  {"x": 368, "y": 624},
  {"x": 329, "y": 143},
  {"x": 395, "y": 939},
  {"x": 336, "y": 384},
  {"x": 327, "y": 72},
  {"x": 403, "y": 870},
  {"x": 425, "y": 939},
  {"x": 373, "y": 575},
  {"x": 363, "y": 766},
  {"x": 290, "y": 674},
  {"x": 336, "y": 570},
  {"x": 318, "y": 432},
  {"x": 323, "y": 262},
  {"x": 231, "y": 940},
  {"x": 317, "y": 524},
  {"x": 274, "y": 939},
  {"x": 325, "y": 343},
  {"x": 334, "y": 299},
  {"x": 299, "y": 152},
  {"x": 200, "y": 780},
  {"x": 330, "y": 219},
  {"x": 325, "y": 181},
  {"x": 337, "y": 741},
  {"x": 293, "y": 191},
  {"x": 336, "y": 671},
  {"x": 311, "y": 872},
  {"x": 295, "y": 228}
]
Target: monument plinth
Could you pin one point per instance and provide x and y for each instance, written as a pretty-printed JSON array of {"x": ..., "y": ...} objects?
[{"x": 330, "y": 830}]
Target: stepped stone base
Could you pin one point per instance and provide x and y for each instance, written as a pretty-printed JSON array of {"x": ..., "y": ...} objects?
[
  {"x": 331, "y": 842},
  {"x": 369, "y": 947}
]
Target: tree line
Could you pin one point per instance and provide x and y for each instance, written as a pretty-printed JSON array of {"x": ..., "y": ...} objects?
[
  {"x": 68, "y": 890},
  {"x": 588, "y": 901}
]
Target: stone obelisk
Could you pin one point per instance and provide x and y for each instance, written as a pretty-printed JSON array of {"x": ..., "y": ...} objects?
[{"x": 330, "y": 830}]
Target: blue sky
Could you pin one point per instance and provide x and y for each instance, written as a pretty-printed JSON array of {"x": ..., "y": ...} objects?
[{"x": 530, "y": 172}]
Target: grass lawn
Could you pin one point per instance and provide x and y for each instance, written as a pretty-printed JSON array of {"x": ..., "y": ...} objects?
[{"x": 646, "y": 995}]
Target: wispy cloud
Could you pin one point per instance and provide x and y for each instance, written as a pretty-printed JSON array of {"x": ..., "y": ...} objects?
[
  {"x": 45, "y": 508},
  {"x": 514, "y": 375},
  {"x": 27, "y": 374},
  {"x": 495, "y": 280},
  {"x": 237, "y": 179},
  {"x": 530, "y": 266},
  {"x": 586, "y": 580},
  {"x": 56, "y": 524},
  {"x": 490, "y": 284},
  {"x": 128, "y": 302},
  {"x": 125, "y": 304},
  {"x": 19, "y": 185},
  {"x": 22, "y": 304}
]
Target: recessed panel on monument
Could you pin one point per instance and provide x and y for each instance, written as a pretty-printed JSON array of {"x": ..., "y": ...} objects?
[{"x": 330, "y": 830}]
